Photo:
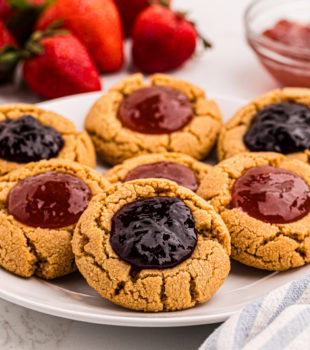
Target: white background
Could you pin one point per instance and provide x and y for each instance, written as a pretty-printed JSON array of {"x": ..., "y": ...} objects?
[{"x": 230, "y": 68}]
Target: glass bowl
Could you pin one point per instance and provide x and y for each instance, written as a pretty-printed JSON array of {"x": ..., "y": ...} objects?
[{"x": 290, "y": 65}]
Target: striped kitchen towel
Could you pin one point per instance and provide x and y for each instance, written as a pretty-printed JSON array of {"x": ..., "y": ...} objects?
[{"x": 279, "y": 321}]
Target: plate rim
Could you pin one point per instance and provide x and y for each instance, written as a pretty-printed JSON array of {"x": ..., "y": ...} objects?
[
  {"x": 136, "y": 320},
  {"x": 123, "y": 321}
]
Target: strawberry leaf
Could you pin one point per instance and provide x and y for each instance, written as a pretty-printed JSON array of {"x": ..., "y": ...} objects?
[
  {"x": 206, "y": 43},
  {"x": 9, "y": 57},
  {"x": 24, "y": 4},
  {"x": 163, "y": 3},
  {"x": 33, "y": 46},
  {"x": 56, "y": 24}
]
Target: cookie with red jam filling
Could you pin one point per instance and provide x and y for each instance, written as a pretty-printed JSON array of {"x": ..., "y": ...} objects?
[
  {"x": 264, "y": 200},
  {"x": 164, "y": 115},
  {"x": 180, "y": 168},
  {"x": 40, "y": 205}
]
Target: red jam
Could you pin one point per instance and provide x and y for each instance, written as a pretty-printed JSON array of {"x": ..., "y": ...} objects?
[
  {"x": 49, "y": 200},
  {"x": 155, "y": 110},
  {"x": 165, "y": 170},
  {"x": 290, "y": 34},
  {"x": 272, "y": 195},
  {"x": 289, "y": 61}
]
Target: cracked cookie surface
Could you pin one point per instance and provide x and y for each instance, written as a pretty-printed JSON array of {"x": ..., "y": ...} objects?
[
  {"x": 254, "y": 242},
  {"x": 231, "y": 139},
  {"x": 78, "y": 146},
  {"x": 193, "y": 281},
  {"x": 115, "y": 143},
  {"x": 119, "y": 172},
  {"x": 28, "y": 251}
]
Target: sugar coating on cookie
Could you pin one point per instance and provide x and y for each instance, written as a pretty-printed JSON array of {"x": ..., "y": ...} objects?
[
  {"x": 63, "y": 142},
  {"x": 276, "y": 121},
  {"x": 273, "y": 241},
  {"x": 193, "y": 135},
  {"x": 161, "y": 165},
  {"x": 29, "y": 249},
  {"x": 192, "y": 279}
]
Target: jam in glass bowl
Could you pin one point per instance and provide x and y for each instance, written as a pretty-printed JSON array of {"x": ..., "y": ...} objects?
[{"x": 279, "y": 33}]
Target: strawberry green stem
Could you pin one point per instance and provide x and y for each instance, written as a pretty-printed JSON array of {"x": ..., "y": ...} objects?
[
  {"x": 206, "y": 44},
  {"x": 33, "y": 46},
  {"x": 24, "y": 4}
]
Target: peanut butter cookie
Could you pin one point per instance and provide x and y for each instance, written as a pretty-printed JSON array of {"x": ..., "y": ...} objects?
[
  {"x": 264, "y": 200},
  {"x": 278, "y": 121},
  {"x": 39, "y": 207},
  {"x": 29, "y": 134},
  {"x": 180, "y": 168},
  {"x": 165, "y": 115},
  {"x": 152, "y": 245}
]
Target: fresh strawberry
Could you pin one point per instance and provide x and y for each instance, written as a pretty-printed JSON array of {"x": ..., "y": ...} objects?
[
  {"x": 96, "y": 23},
  {"x": 60, "y": 66},
  {"x": 162, "y": 39},
  {"x": 129, "y": 10},
  {"x": 6, "y": 37}
]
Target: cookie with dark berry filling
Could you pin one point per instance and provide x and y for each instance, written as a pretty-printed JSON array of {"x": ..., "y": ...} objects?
[
  {"x": 30, "y": 134},
  {"x": 278, "y": 121},
  {"x": 152, "y": 245}
]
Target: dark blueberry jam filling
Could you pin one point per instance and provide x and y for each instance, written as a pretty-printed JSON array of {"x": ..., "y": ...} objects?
[
  {"x": 282, "y": 127},
  {"x": 272, "y": 195},
  {"x": 154, "y": 233},
  {"x": 155, "y": 110},
  {"x": 26, "y": 140},
  {"x": 49, "y": 200},
  {"x": 165, "y": 170}
]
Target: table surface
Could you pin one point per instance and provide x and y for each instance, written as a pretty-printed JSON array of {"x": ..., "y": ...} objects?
[{"x": 230, "y": 68}]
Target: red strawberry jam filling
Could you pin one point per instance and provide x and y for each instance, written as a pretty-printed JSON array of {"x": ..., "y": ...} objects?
[
  {"x": 272, "y": 195},
  {"x": 49, "y": 200},
  {"x": 154, "y": 233},
  {"x": 165, "y": 170},
  {"x": 289, "y": 58},
  {"x": 155, "y": 110}
]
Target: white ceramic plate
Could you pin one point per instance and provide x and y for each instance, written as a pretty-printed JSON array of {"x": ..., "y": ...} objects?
[{"x": 70, "y": 297}]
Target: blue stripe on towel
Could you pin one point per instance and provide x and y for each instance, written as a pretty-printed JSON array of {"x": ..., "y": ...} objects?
[
  {"x": 293, "y": 294},
  {"x": 289, "y": 332},
  {"x": 291, "y": 324},
  {"x": 245, "y": 323}
]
